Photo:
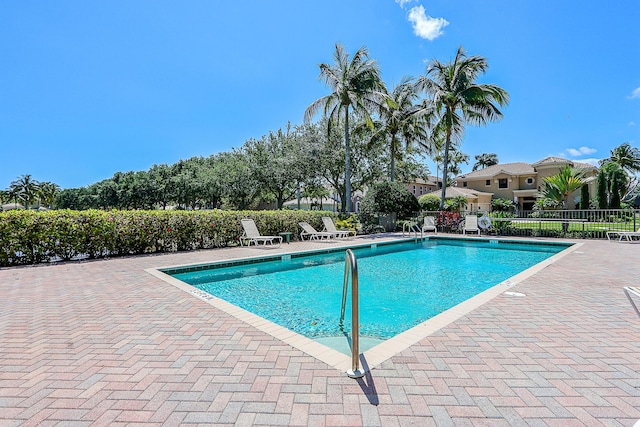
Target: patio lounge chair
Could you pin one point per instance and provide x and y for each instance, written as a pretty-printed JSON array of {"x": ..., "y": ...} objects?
[
  {"x": 313, "y": 234},
  {"x": 429, "y": 224},
  {"x": 628, "y": 235},
  {"x": 330, "y": 227},
  {"x": 471, "y": 224},
  {"x": 252, "y": 235},
  {"x": 632, "y": 291}
]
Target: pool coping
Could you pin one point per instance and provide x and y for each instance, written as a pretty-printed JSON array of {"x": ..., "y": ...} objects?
[{"x": 386, "y": 349}]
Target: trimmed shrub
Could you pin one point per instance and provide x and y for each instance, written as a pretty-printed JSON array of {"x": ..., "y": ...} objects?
[
  {"x": 429, "y": 202},
  {"x": 387, "y": 198},
  {"x": 30, "y": 237}
]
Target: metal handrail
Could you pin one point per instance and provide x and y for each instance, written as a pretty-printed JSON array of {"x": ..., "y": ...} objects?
[{"x": 351, "y": 265}]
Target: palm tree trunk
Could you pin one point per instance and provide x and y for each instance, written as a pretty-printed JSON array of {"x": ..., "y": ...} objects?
[
  {"x": 445, "y": 162},
  {"x": 347, "y": 161},
  {"x": 392, "y": 164}
]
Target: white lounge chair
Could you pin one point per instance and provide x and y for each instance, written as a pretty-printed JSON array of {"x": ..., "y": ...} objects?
[
  {"x": 313, "y": 234},
  {"x": 628, "y": 235},
  {"x": 252, "y": 235},
  {"x": 330, "y": 227},
  {"x": 471, "y": 224},
  {"x": 635, "y": 292},
  {"x": 429, "y": 224}
]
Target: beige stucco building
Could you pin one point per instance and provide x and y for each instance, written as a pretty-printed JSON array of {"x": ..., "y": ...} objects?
[
  {"x": 420, "y": 187},
  {"x": 522, "y": 182}
]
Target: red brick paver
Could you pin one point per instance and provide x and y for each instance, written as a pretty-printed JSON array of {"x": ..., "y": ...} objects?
[{"x": 105, "y": 343}]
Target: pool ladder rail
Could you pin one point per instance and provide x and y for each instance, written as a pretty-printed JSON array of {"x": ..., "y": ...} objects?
[
  {"x": 415, "y": 228},
  {"x": 351, "y": 265}
]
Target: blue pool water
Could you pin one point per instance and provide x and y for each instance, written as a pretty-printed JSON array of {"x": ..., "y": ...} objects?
[{"x": 401, "y": 284}]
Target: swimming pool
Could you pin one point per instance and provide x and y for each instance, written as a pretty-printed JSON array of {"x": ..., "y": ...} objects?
[{"x": 401, "y": 284}]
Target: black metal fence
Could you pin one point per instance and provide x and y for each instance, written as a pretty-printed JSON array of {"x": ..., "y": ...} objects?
[{"x": 582, "y": 224}]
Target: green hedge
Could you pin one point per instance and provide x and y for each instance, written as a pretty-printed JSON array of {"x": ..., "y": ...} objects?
[{"x": 29, "y": 237}]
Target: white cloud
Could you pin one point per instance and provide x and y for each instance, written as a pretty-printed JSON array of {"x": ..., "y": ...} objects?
[
  {"x": 403, "y": 2},
  {"x": 580, "y": 151},
  {"x": 425, "y": 26},
  {"x": 635, "y": 94}
]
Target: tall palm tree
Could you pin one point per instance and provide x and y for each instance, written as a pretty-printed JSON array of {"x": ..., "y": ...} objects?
[
  {"x": 356, "y": 84},
  {"x": 456, "y": 158},
  {"x": 617, "y": 183},
  {"x": 458, "y": 99},
  {"x": 48, "y": 191},
  {"x": 626, "y": 156},
  {"x": 397, "y": 123},
  {"x": 485, "y": 160},
  {"x": 25, "y": 188},
  {"x": 559, "y": 187}
]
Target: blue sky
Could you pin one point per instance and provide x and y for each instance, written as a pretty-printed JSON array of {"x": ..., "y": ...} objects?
[{"x": 91, "y": 88}]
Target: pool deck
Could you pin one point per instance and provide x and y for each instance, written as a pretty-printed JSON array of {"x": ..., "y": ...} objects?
[{"x": 107, "y": 343}]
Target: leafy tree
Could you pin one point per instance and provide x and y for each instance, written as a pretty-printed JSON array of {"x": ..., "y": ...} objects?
[
  {"x": 560, "y": 186},
  {"x": 277, "y": 161},
  {"x": 485, "y": 160},
  {"x": 429, "y": 202},
  {"x": 355, "y": 84},
  {"x": 409, "y": 169},
  {"x": 239, "y": 185},
  {"x": 186, "y": 187},
  {"x": 458, "y": 99},
  {"x": 366, "y": 166},
  {"x": 160, "y": 175},
  {"x": 388, "y": 198},
  {"x": 106, "y": 194},
  {"x": 211, "y": 191}
]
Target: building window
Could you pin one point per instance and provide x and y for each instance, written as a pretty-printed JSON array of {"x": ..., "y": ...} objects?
[
  {"x": 503, "y": 183},
  {"x": 530, "y": 180},
  {"x": 488, "y": 183},
  {"x": 464, "y": 183}
]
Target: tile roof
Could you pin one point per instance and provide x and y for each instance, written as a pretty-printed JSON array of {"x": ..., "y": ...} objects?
[
  {"x": 554, "y": 161},
  {"x": 551, "y": 160},
  {"x": 521, "y": 168},
  {"x": 457, "y": 191},
  {"x": 518, "y": 168}
]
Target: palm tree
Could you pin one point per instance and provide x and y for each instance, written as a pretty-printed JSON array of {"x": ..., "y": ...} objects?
[
  {"x": 559, "y": 187},
  {"x": 626, "y": 156},
  {"x": 25, "y": 188},
  {"x": 397, "y": 122},
  {"x": 456, "y": 158},
  {"x": 458, "y": 99},
  {"x": 48, "y": 192},
  {"x": 485, "y": 160},
  {"x": 617, "y": 183},
  {"x": 355, "y": 84}
]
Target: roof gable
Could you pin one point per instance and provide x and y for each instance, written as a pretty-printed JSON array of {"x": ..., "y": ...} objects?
[{"x": 518, "y": 168}]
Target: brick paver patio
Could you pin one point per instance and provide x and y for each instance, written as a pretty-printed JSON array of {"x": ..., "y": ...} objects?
[{"x": 106, "y": 343}]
